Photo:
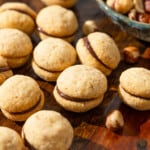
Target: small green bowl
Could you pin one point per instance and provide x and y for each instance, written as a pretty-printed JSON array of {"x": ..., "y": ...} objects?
[{"x": 134, "y": 28}]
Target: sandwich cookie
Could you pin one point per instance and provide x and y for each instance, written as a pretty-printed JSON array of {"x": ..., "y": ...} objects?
[
  {"x": 10, "y": 140},
  {"x": 15, "y": 47},
  {"x": 80, "y": 88},
  {"x": 98, "y": 50},
  {"x": 17, "y": 15},
  {"x": 56, "y": 21},
  {"x": 51, "y": 57},
  {"x": 47, "y": 130},
  {"x": 64, "y": 3},
  {"x": 5, "y": 71},
  {"x": 134, "y": 88},
  {"x": 20, "y": 97}
]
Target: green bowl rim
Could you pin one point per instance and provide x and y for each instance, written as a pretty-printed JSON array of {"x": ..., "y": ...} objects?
[{"x": 125, "y": 19}]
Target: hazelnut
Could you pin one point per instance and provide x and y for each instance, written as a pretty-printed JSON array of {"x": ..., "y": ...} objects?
[
  {"x": 114, "y": 120},
  {"x": 146, "y": 54},
  {"x": 144, "y": 18},
  {"x": 121, "y": 6},
  {"x": 132, "y": 14},
  {"x": 147, "y": 5},
  {"x": 131, "y": 54},
  {"x": 89, "y": 26}
]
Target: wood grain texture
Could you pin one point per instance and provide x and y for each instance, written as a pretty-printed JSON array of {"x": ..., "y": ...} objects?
[{"x": 90, "y": 132}]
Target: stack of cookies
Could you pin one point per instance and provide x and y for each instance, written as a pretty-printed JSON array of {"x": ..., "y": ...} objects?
[
  {"x": 57, "y": 21},
  {"x": 20, "y": 97},
  {"x": 15, "y": 47},
  {"x": 17, "y": 15},
  {"x": 134, "y": 88},
  {"x": 80, "y": 88},
  {"x": 51, "y": 57}
]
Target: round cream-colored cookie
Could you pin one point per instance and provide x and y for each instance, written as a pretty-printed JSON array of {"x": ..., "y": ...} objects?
[
  {"x": 14, "y": 43},
  {"x": 135, "y": 102},
  {"x": 51, "y": 57},
  {"x": 75, "y": 106},
  {"x": 17, "y": 15},
  {"x": 25, "y": 114},
  {"x": 98, "y": 50},
  {"x": 10, "y": 139},
  {"x": 47, "y": 130},
  {"x": 136, "y": 80},
  {"x": 56, "y": 21},
  {"x": 134, "y": 88},
  {"x": 64, "y": 3},
  {"x": 80, "y": 86},
  {"x": 5, "y": 71},
  {"x": 20, "y": 96},
  {"x": 15, "y": 47}
]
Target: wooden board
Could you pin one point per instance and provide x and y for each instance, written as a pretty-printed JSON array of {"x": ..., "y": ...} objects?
[{"x": 89, "y": 128}]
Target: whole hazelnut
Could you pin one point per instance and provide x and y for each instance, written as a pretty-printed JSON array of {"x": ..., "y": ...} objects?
[
  {"x": 114, "y": 120},
  {"x": 143, "y": 17},
  {"x": 89, "y": 26},
  {"x": 132, "y": 14},
  {"x": 131, "y": 54},
  {"x": 121, "y": 6},
  {"x": 146, "y": 54},
  {"x": 147, "y": 5}
]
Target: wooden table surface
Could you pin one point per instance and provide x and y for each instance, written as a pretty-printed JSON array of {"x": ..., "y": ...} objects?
[{"x": 90, "y": 132}]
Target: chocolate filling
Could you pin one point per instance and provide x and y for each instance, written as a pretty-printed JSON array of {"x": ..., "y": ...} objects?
[
  {"x": 47, "y": 70},
  {"x": 72, "y": 98},
  {"x": 135, "y": 95},
  {"x": 21, "y": 11},
  {"x": 28, "y": 110},
  {"x": 20, "y": 57},
  {"x": 3, "y": 69},
  {"x": 44, "y": 32},
  {"x": 90, "y": 49},
  {"x": 27, "y": 143}
]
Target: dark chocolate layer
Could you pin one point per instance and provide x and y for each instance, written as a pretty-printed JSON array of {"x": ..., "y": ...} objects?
[
  {"x": 3, "y": 69},
  {"x": 47, "y": 34},
  {"x": 46, "y": 69},
  {"x": 21, "y": 11},
  {"x": 92, "y": 52},
  {"x": 72, "y": 98},
  {"x": 135, "y": 95},
  {"x": 27, "y": 110}
]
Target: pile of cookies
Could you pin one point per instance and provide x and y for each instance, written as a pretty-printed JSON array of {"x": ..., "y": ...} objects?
[{"x": 80, "y": 73}]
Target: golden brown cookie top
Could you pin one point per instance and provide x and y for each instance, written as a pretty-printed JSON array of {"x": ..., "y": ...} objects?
[
  {"x": 54, "y": 54},
  {"x": 81, "y": 81},
  {"x": 14, "y": 43},
  {"x": 136, "y": 81},
  {"x": 104, "y": 48},
  {"x": 57, "y": 21},
  {"x": 45, "y": 128},
  {"x": 17, "y": 16},
  {"x": 10, "y": 139},
  {"x": 19, "y": 93},
  {"x": 22, "y": 7}
]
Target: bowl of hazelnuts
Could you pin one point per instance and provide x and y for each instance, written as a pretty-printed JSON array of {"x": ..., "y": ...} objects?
[{"x": 132, "y": 15}]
